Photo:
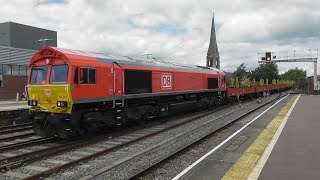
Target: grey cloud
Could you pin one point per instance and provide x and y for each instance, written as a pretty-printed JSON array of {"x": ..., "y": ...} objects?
[{"x": 248, "y": 27}]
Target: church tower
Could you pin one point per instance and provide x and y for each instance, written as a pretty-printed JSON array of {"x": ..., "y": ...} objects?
[{"x": 213, "y": 58}]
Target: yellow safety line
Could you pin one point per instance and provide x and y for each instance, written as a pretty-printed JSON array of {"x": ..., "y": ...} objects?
[{"x": 249, "y": 159}]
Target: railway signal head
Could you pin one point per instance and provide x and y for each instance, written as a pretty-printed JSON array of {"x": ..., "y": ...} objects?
[{"x": 268, "y": 56}]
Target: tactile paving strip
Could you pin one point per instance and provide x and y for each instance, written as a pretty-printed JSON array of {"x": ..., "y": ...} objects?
[{"x": 247, "y": 162}]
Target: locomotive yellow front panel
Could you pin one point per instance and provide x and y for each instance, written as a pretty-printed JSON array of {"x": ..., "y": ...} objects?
[{"x": 50, "y": 98}]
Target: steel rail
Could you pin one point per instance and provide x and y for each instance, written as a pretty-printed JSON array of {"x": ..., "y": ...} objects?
[
  {"x": 16, "y": 137},
  {"x": 25, "y": 143},
  {"x": 15, "y": 126},
  {"x": 18, "y": 129},
  {"x": 28, "y": 158}
]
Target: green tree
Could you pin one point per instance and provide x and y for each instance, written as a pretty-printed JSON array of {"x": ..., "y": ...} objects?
[
  {"x": 298, "y": 75},
  {"x": 266, "y": 71},
  {"x": 240, "y": 72}
]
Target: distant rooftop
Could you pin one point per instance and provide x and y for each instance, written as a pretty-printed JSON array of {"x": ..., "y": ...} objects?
[
  {"x": 19, "y": 24},
  {"x": 25, "y": 36}
]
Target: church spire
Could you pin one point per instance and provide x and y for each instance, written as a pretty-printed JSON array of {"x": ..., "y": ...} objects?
[{"x": 213, "y": 58}]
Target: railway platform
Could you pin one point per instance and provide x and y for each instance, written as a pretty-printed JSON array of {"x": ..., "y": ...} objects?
[
  {"x": 13, "y": 112},
  {"x": 13, "y": 105},
  {"x": 280, "y": 143}
]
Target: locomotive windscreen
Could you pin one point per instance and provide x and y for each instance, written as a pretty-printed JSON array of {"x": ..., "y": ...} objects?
[
  {"x": 137, "y": 82},
  {"x": 212, "y": 83}
]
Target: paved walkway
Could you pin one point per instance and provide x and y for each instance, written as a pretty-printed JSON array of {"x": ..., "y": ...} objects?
[
  {"x": 221, "y": 159},
  {"x": 296, "y": 153}
]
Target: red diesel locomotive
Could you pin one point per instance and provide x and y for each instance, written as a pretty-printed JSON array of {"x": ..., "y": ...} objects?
[{"x": 72, "y": 91}]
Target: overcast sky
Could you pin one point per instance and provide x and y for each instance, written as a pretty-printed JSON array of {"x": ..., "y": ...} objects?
[{"x": 178, "y": 30}]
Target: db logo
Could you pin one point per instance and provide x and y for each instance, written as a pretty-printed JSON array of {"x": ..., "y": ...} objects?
[
  {"x": 166, "y": 81},
  {"x": 47, "y": 92}
]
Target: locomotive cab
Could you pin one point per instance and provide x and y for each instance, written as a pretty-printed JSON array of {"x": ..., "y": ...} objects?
[
  {"x": 49, "y": 93},
  {"x": 48, "y": 89}
]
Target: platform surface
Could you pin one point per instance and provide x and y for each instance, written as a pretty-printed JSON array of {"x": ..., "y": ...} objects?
[
  {"x": 13, "y": 105},
  {"x": 296, "y": 153},
  {"x": 217, "y": 164},
  {"x": 281, "y": 144}
]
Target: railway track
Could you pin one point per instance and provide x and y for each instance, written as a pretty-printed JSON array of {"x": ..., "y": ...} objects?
[
  {"x": 46, "y": 162},
  {"x": 15, "y": 128},
  {"x": 27, "y": 158},
  {"x": 185, "y": 140},
  {"x": 19, "y": 136},
  {"x": 22, "y": 144},
  {"x": 19, "y": 132}
]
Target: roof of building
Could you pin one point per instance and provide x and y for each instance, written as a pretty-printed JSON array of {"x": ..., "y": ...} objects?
[
  {"x": 10, "y": 22},
  {"x": 16, "y": 56}
]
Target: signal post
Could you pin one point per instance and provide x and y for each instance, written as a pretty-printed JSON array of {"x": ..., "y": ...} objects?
[{"x": 268, "y": 59}]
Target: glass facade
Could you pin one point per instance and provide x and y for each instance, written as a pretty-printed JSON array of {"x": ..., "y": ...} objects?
[
  {"x": 15, "y": 70},
  {"x": 23, "y": 70},
  {"x": 6, "y": 69}
]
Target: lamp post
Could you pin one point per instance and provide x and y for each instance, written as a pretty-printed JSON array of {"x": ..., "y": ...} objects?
[
  {"x": 44, "y": 41},
  {"x": 148, "y": 54}
]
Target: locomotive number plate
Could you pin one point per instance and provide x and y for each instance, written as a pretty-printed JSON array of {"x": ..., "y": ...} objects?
[{"x": 166, "y": 81}]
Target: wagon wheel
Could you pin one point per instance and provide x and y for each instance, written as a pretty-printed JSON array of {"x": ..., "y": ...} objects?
[{"x": 204, "y": 106}]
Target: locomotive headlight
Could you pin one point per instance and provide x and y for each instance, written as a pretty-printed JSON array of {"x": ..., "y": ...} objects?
[
  {"x": 32, "y": 103},
  {"x": 62, "y": 103}
]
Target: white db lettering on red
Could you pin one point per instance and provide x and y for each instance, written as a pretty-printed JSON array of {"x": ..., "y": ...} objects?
[{"x": 166, "y": 81}]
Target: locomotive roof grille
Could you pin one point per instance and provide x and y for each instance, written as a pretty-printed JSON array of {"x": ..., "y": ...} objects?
[{"x": 127, "y": 60}]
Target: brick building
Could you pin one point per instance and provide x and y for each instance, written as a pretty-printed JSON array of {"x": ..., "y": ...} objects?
[
  {"x": 18, "y": 43},
  {"x": 311, "y": 85}
]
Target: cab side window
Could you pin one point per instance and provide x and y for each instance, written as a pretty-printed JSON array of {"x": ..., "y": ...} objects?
[
  {"x": 92, "y": 76},
  {"x": 87, "y": 76}
]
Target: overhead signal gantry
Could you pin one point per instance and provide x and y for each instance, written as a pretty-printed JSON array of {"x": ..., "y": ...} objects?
[{"x": 269, "y": 58}]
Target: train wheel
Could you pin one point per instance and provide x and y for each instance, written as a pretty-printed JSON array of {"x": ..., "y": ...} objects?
[
  {"x": 217, "y": 101},
  {"x": 39, "y": 126},
  {"x": 81, "y": 131},
  {"x": 204, "y": 106},
  {"x": 51, "y": 129},
  {"x": 57, "y": 127}
]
